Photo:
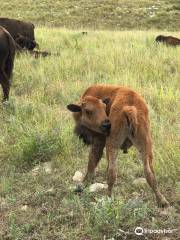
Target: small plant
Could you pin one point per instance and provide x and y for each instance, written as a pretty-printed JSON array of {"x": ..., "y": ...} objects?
[{"x": 14, "y": 231}]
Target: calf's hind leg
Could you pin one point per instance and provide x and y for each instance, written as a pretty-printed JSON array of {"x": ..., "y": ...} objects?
[
  {"x": 145, "y": 148},
  {"x": 111, "y": 153}
]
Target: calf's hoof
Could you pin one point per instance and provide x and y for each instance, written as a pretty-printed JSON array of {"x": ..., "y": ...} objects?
[
  {"x": 109, "y": 193},
  {"x": 89, "y": 179},
  {"x": 5, "y": 102},
  {"x": 79, "y": 189},
  {"x": 163, "y": 203}
]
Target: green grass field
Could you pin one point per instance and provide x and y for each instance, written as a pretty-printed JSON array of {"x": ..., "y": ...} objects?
[
  {"x": 93, "y": 14},
  {"x": 36, "y": 128}
]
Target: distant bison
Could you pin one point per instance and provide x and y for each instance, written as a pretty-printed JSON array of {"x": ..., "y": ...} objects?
[
  {"x": 22, "y": 32},
  {"x": 84, "y": 33},
  {"x": 168, "y": 40},
  {"x": 115, "y": 117},
  {"x": 7, "y": 53}
]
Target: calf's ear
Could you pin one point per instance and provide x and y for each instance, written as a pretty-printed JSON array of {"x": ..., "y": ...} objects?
[
  {"x": 74, "y": 108},
  {"x": 106, "y": 100}
]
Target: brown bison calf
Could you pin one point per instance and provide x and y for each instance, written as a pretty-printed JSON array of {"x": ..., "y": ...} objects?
[
  {"x": 115, "y": 117},
  {"x": 168, "y": 40},
  {"x": 7, "y": 53}
]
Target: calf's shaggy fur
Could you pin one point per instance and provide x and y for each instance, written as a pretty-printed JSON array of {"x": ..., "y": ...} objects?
[{"x": 115, "y": 117}]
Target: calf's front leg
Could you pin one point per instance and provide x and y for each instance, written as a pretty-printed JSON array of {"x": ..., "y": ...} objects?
[{"x": 94, "y": 157}]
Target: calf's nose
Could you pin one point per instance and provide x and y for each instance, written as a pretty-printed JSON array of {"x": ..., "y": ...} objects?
[{"x": 106, "y": 125}]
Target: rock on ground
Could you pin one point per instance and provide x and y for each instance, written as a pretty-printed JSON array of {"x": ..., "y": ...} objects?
[
  {"x": 24, "y": 208},
  {"x": 51, "y": 191},
  {"x": 78, "y": 176},
  {"x": 46, "y": 167},
  {"x": 139, "y": 182},
  {"x": 95, "y": 187}
]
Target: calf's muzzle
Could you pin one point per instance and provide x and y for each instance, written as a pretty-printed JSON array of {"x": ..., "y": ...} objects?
[{"x": 106, "y": 127}]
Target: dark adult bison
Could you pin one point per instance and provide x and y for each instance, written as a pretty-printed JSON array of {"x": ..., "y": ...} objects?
[
  {"x": 21, "y": 31},
  {"x": 25, "y": 42},
  {"x": 7, "y": 53},
  {"x": 168, "y": 40},
  {"x": 115, "y": 117}
]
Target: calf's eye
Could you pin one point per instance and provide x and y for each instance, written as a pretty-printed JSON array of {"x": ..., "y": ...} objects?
[{"x": 88, "y": 112}]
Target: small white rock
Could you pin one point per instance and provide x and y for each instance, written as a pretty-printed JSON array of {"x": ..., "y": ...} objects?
[
  {"x": 135, "y": 194},
  {"x": 47, "y": 167},
  {"x": 35, "y": 170},
  {"x": 78, "y": 176},
  {"x": 24, "y": 207},
  {"x": 140, "y": 182},
  {"x": 51, "y": 191},
  {"x": 97, "y": 186}
]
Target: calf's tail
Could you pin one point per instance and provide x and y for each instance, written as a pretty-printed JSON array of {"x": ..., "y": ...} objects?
[{"x": 130, "y": 113}]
